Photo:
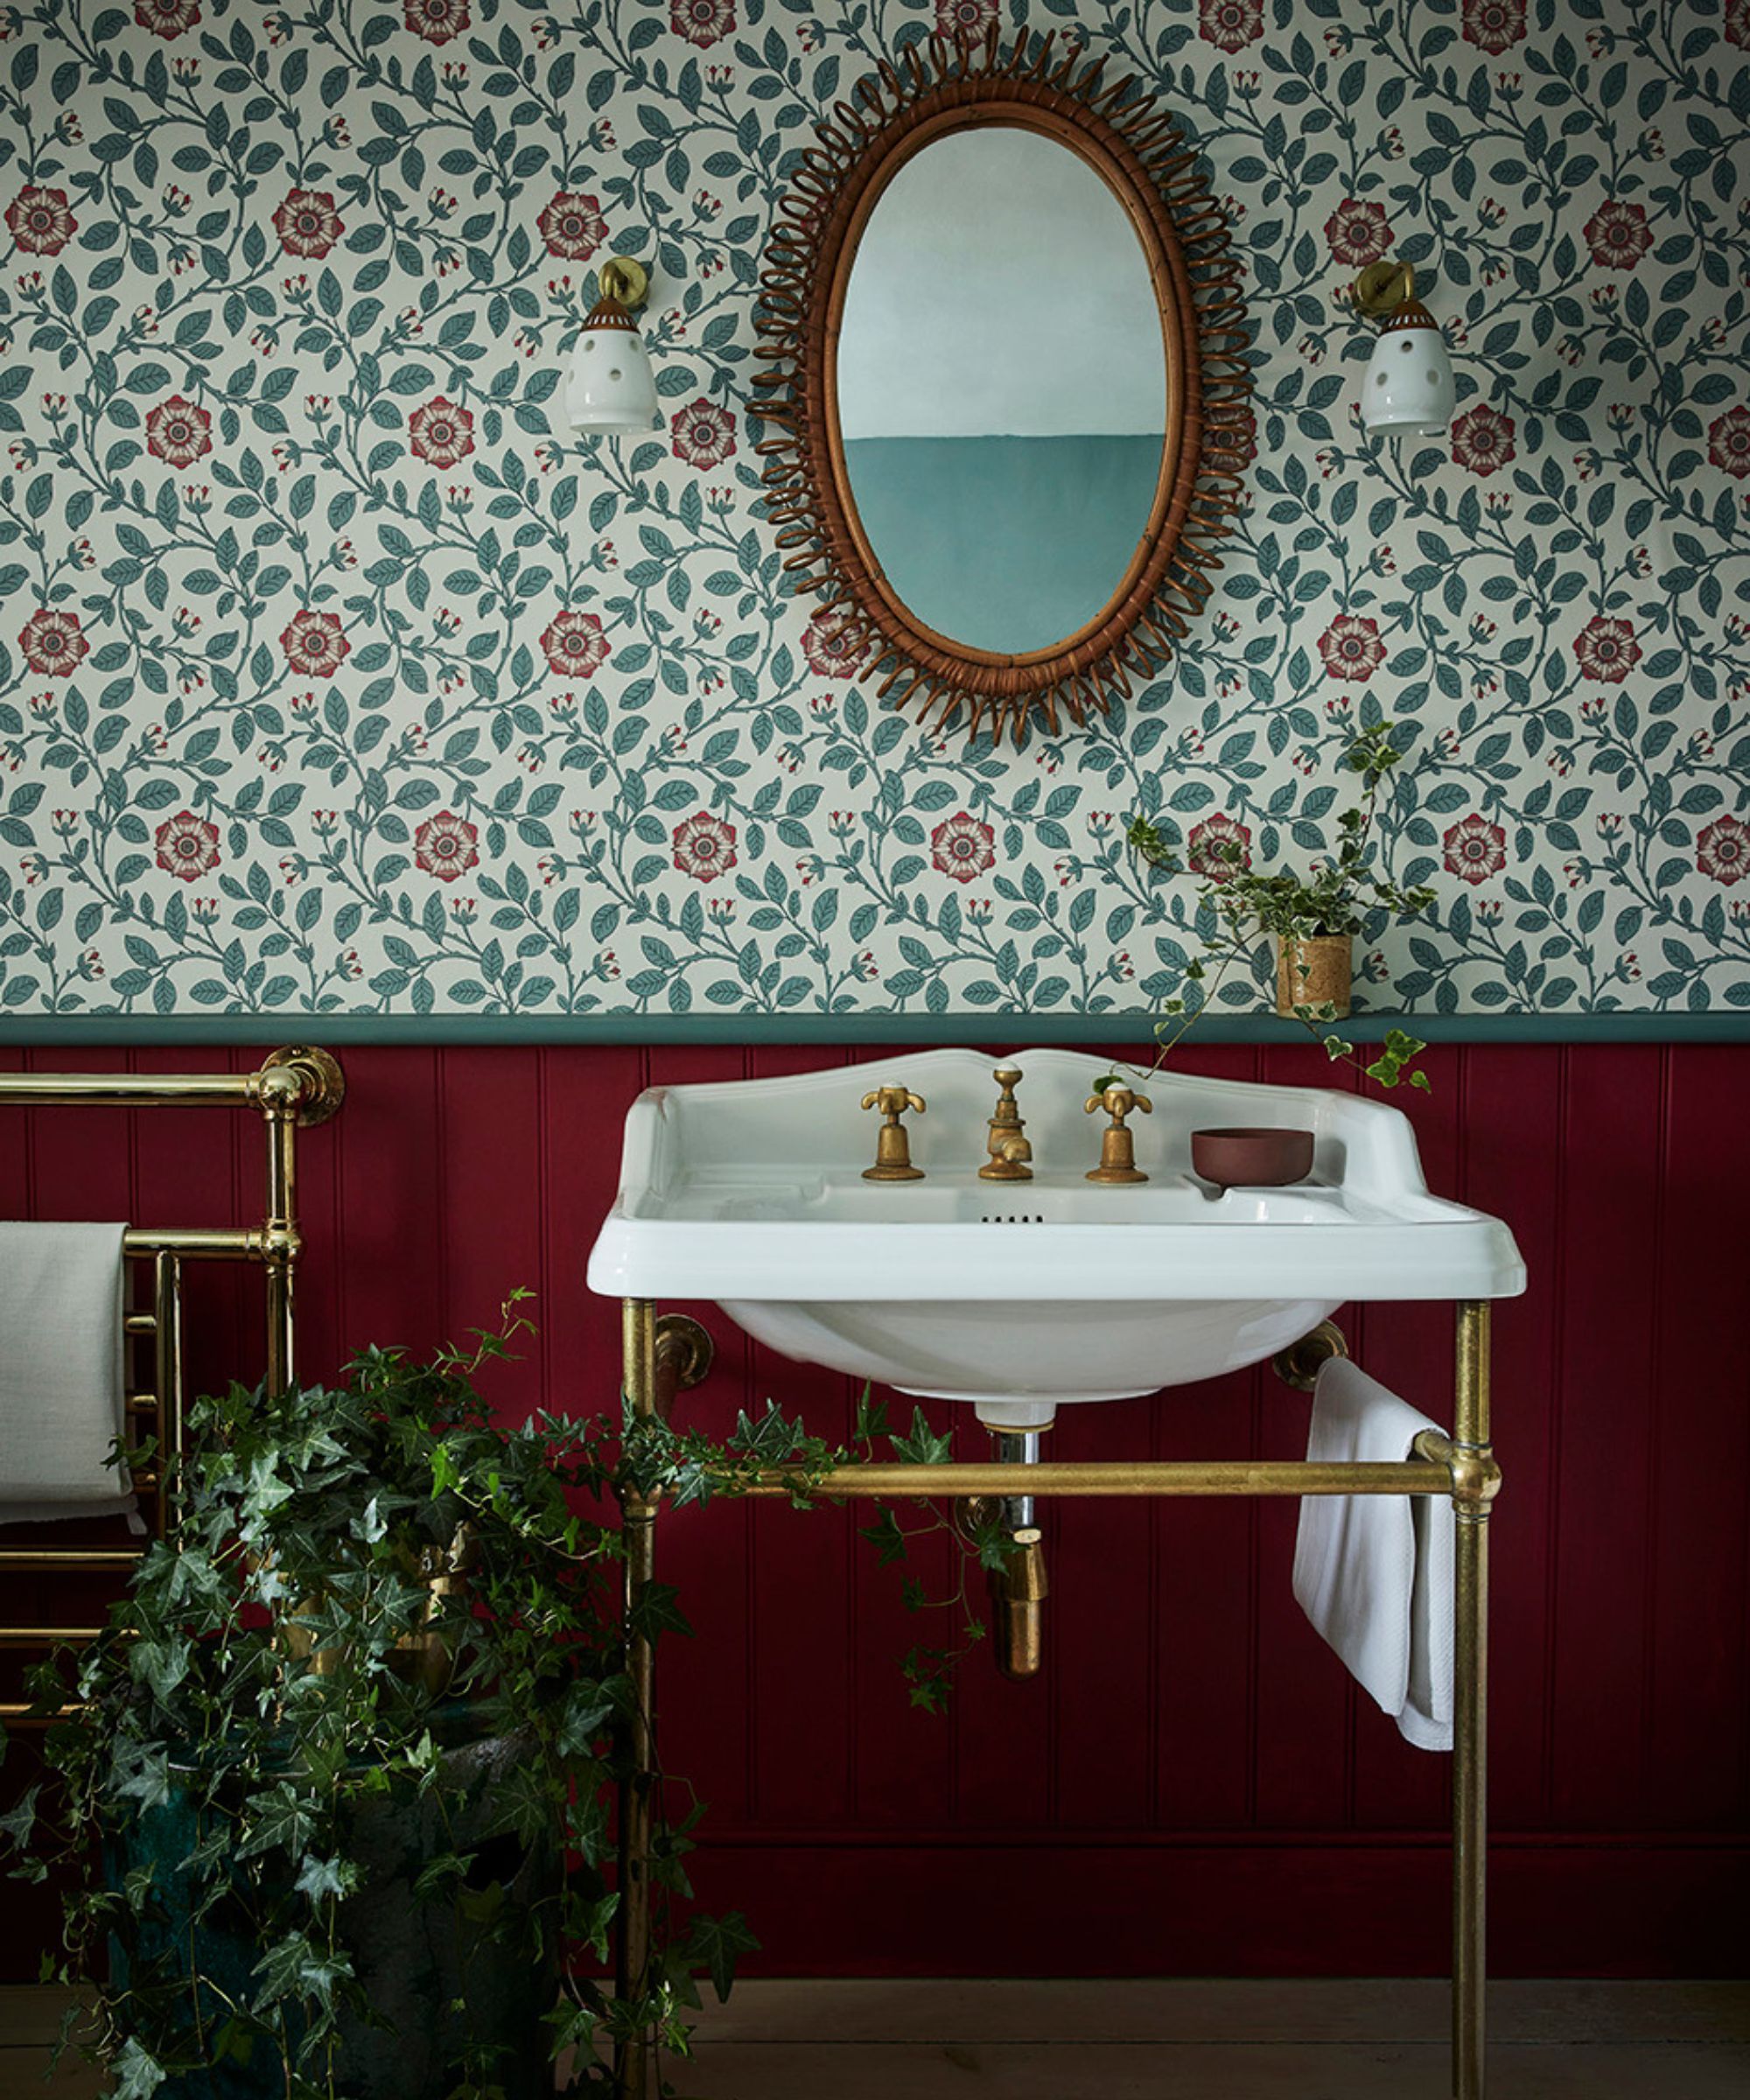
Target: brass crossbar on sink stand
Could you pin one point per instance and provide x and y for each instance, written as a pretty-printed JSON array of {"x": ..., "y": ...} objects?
[{"x": 662, "y": 1355}]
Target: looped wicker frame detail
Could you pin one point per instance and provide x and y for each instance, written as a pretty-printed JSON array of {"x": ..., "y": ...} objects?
[{"x": 931, "y": 89}]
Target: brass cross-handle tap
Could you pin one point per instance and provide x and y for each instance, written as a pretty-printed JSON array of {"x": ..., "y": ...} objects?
[
  {"x": 892, "y": 1144},
  {"x": 1009, "y": 1151},
  {"x": 1117, "y": 1143}
]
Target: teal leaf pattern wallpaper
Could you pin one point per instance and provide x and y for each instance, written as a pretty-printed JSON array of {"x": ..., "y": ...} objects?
[{"x": 336, "y": 676}]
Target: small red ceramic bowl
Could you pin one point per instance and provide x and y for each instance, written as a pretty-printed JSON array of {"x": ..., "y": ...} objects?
[{"x": 1252, "y": 1159}]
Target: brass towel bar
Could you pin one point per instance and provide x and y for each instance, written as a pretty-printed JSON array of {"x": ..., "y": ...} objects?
[{"x": 1092, "y": 1477}]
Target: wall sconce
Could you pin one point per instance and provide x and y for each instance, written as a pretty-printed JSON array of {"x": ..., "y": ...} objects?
[
  {"x": 611, "y": 391},
  {"x": 1408, "y": 385}
]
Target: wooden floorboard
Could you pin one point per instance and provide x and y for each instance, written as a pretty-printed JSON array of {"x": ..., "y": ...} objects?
[{"x": 1135, "y": 2040}]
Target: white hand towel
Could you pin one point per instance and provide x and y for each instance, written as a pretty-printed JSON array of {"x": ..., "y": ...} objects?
[
  {"x": 1374, "y": 1573},
  {"x": 62, "y": 1388}
]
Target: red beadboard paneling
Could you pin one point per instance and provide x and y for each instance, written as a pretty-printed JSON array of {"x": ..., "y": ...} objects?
[{"x": 1192, "y": 1768}]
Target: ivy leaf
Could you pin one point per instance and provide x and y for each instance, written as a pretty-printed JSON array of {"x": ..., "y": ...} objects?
[
  {"x": 872, "y": 1419},
  {"x": 136, "y": 2074},
  {"x": 923, "y": 1446},
  {"x": 656, "y": 1613},
  {"x": 717, "y": 1943},
  {"x": 319, "y": 1879},
  {"x": 885, "y": 1535}
]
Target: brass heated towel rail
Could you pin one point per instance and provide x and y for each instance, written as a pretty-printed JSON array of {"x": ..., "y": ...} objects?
[{"x": 293, "y": 1089}]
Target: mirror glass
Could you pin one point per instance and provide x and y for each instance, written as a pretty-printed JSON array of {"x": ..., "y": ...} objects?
[{"x": 1001, "y": 389}]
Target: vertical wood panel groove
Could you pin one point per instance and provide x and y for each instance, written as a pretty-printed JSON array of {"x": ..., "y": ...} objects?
[
  {"x": 1552, "y": 1511},
  {"x": 1655, "y": 1399}
]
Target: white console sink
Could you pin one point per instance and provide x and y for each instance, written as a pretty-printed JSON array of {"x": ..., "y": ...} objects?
[{"x": 1020, "y": 1297}]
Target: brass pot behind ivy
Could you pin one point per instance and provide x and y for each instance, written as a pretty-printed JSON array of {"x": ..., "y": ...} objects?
[
  {"x": 421, "y": 1658},
  {"x": 1312, "y": 976}
]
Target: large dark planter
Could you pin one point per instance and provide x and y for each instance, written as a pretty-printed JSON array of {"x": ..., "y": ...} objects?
[{"x": 463, "y": 1967}]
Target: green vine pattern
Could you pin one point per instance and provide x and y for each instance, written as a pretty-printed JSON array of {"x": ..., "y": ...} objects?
[{"x": 337, "y": 676}]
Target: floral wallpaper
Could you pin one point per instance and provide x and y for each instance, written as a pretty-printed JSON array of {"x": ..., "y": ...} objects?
[{"x": 335, "y": 675}]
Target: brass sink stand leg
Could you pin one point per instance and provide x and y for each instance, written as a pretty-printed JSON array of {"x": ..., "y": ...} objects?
[
  {"x": 1474, "y": 1482},
  {"x": 660, "y": 1358}
]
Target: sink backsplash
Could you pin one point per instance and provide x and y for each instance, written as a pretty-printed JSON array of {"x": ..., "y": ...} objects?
[{"x": 334, "y": 673}]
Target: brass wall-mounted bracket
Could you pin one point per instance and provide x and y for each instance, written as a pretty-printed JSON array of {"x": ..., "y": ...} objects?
[
  {"x": 303, "y": 1073},
  {"x": 1298, "y": 1364},
  {"x": 625, "y": 282},
  {"x": 1382, "y": 287},
  {"x": 684, "y": 1355}
]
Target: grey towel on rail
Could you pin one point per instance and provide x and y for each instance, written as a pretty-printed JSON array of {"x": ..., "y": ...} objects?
[{"x": 62, "y": 1372}]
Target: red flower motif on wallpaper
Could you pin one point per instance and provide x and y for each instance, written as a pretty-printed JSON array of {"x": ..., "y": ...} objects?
[
  {"x": 1482, "y": 439},
  {"x": 702, "y": 22},
  {"x": 705, "y": 846},
  {"x": 574, "y": 644},
  {"x": 166, "y": 18},
  {"x": 1493, "y": 25},
  {"x": 964, "y": 17},
  {"x": 314, "y": 645},
  {"x": 1728, "y": 438},
  {"x": 703, "y": 434},
  {"x": 177, "y": 432},
  {"x": 1737, "y": 23},
  {"x": 1607, "y": 649},
  {"x": 1723, "y": 851},
  {"x": 445, "y": 845},
  {"x": 1357, "y": 231},
  {"x": 1231, "y": 438},
  {"x": 440, "y": 433},
  {"x": 832, "y": 647},
  {"x": 188, "y": 845},
  {"x": 1474, "y": 848},
  {"x": 1230, "y": 24},
  {"x": 1217, "y": 846},
  {"x": 39, "y": 221},
  {"x": 1618, "y": 236},
  {"x": 437, "y": 21},
  {"x": 51, "y": 643},
  {"x": 961, "y": 848},
  {"x": 308, "y": 224},
  {"x": 572, "y": 225},
  {"x": 1351, "y": 647}
]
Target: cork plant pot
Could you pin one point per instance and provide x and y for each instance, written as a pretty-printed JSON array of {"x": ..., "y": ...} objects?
[{"x": 1312, "y": 976}]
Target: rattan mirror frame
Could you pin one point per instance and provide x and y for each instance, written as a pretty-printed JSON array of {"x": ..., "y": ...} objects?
[{"x": 933, "y": 87}]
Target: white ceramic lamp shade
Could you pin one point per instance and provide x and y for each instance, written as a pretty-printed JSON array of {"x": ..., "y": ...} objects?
[
  {"x": 611, "y": 391},
  {"x": 1409, "y": 386}
]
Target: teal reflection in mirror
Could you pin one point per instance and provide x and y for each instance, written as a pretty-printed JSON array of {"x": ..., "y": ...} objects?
[{"x": 1001, "y": 389}]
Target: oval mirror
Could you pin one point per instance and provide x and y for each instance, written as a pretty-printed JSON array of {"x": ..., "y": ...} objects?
[
  {"x": 1001, "y": 390},
  {"x": 1006, "y": 393}
]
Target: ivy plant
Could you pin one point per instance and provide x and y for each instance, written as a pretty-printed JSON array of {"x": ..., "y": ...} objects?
[
  {"x": 359, "y": 1580},
  {"x": 357, "y": 1576}
]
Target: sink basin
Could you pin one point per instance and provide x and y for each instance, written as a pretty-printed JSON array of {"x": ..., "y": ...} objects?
[{"x": 1020, "y": 1297}]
